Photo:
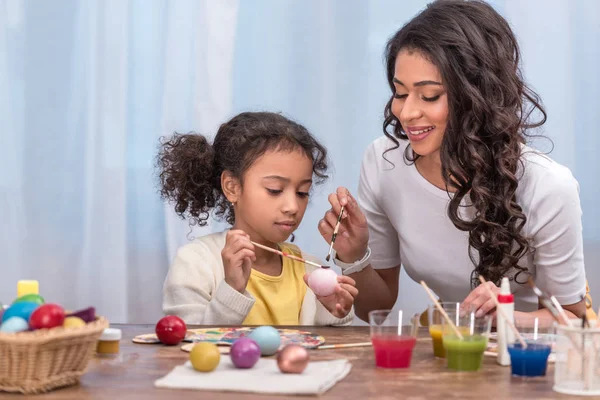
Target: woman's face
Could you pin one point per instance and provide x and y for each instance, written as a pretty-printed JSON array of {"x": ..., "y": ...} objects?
[{"x": 420, "y": 102}]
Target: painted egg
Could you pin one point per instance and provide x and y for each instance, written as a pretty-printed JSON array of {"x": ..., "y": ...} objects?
[
  {"x": 73, "y": 322},
  {"x": 323, "y": 281},
  {"x": 31, "y": 297},
  {"x": 267, "y": 338},
  {"x": 47, "y": 316},
  {"x": 14, "y": 324},
  {"x": 23, "y": 310},
  {"x": 87, "y": 314},
  {"x": 205, "y": 356},
  {"x": 244, "y": 353},
  {"x": 170, "y": 330},
  {"x": 292, "y": 359}
]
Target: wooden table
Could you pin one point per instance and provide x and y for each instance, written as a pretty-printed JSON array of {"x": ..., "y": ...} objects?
[{"x": 131, "y": 374}]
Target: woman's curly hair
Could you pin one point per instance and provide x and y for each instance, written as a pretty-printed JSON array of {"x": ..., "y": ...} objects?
[
  {"x": 490, "y": 111},
  {"x": 190, "y": 167}
]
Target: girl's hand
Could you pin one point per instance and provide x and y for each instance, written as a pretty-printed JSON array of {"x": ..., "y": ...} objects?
[
  {"x": 340, "y": 302},
  {"x": 480, "y": 301},
  {"x": 353, "y": 236},
  {"x": 238, "y": 255}
]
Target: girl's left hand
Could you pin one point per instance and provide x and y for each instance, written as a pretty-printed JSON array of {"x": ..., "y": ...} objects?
[
  {"x": 340, "y": 302},
  {"x": 479, "y": 300}
]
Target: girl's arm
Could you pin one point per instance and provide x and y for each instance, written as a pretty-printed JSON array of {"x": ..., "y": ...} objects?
[{"x": 191, "y": 293}]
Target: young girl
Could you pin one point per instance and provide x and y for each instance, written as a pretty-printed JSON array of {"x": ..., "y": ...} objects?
[{"x": 257, "y": 175}]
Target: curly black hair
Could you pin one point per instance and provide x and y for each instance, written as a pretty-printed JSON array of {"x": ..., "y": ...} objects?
[
  {"x": 491, "y": 110},
  {"x": 190, "y": 167}
]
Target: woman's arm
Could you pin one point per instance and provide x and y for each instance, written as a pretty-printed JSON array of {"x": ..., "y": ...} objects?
[
  {"x": 572, "y": 310},
  {"x": 381, "y": 288},
  {"x": 555, "y": 228},
  {"x": 367, "y": 225}
]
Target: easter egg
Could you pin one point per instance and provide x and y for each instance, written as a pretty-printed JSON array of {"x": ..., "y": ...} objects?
[
  {"x": 267, "y": 338},
  {"x": 73, "y": 322},
  {"x": 244, "y": 353},
  {"x": 292, "y": 359},
  {"x": 21, "y": 310},
  {"x": 205, "y": 356},
  {"x": 323, "y": 281},
  {"x": 14, "y": 324},
  {"x": 31, "y": 297},
  {"x": 47, "y": 316},
  {"x": 170, "y": 330},
  {"x": 87, "y": 314}
]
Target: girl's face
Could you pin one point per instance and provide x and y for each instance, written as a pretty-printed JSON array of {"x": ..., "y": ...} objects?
[
  {"x": 271, "y": 203},
  {"x": 420, "y": 102}
]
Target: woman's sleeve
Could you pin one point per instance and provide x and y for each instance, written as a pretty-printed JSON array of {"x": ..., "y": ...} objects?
[{"x": 555, "y": 228}]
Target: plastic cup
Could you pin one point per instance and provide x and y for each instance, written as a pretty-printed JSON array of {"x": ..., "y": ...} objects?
[
  {"x": 532, "y": 361},
  {"x": 436, "y": 319},
  {"x": 393, "y": 341},
  {"x": 466, "y": 354}
]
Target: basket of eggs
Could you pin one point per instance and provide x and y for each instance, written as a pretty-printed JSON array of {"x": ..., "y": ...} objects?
[{"x": 42, "y": 347}]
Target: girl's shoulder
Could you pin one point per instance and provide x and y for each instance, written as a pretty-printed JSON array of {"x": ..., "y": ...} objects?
[
  {"x": 290, "y": 248},
  {"x": 212, "y": 243}
]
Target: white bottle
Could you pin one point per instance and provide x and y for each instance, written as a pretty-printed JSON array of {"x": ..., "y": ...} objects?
[{"x": 505, "y": 334}]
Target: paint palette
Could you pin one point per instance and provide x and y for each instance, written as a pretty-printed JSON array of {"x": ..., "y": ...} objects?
[{"x": 226, "y": 336}]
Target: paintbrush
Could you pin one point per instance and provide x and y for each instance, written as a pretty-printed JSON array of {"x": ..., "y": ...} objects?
[
  {"x": 335, "y": 232},
  {"x": 284, "y": 254},
  {"x": 551, "y": 304},
  {"x": 441, "y": 310}
]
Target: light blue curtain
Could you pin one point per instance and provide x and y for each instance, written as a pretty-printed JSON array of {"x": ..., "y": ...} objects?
[{"x": 86, "y": 88}]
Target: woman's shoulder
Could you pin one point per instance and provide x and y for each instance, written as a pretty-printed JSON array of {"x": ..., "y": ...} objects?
[
  {"x": 542, "y": 177},
  {"x": 540, "y": 168}
]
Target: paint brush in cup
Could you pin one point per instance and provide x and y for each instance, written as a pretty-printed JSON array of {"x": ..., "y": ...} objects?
[
  {"x": 335, "y": 232},
  {"x": 284, "y": 254},
  {"x": 551, "y": 304},
  {"x": 441, "y": 310}
]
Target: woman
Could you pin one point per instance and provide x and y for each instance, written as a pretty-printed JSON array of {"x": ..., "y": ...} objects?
[{"x": 451, "y": 191}]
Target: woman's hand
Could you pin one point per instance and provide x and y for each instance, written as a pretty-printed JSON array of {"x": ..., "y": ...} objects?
[
  {"x": 479, "y": 299},
  {"x": 340, "y": 302},
  {"x": 353, "y": 236},
  {"x": 238, "y": 255}
]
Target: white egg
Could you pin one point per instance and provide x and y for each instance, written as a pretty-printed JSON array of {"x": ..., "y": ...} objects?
[{"x": 323, "y": 281}]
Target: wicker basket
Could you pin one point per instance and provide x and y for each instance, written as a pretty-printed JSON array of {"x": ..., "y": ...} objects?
[{"x": 43, "y": 360}]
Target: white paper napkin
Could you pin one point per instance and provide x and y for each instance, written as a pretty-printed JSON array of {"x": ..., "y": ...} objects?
[{"x": 264, "y": 377}]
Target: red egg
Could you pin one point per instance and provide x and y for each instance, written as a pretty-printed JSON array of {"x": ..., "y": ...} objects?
[
  {"x": 171, "y": 330},
  {"x": 47, "y": 316}
]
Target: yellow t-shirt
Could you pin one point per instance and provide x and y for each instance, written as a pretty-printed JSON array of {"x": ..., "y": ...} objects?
[{"x": 278, "y": 298}]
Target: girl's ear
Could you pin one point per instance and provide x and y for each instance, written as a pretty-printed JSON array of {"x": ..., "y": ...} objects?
[{"x": 231, "y": 186}]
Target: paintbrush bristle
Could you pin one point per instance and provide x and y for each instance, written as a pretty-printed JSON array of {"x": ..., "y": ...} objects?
[{"x": 328, "y": 257}]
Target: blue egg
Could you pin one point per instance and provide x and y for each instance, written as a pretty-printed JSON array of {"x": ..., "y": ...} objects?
[
  {"x": 21, "y": 310},
  {"x": 14, "y": 324},
  {"x": 267, "y": 338}
]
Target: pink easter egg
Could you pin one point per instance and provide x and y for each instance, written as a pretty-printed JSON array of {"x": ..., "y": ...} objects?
[
  {"x": 244, "y": 353},
  {"x": 323, "y": 281}
]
